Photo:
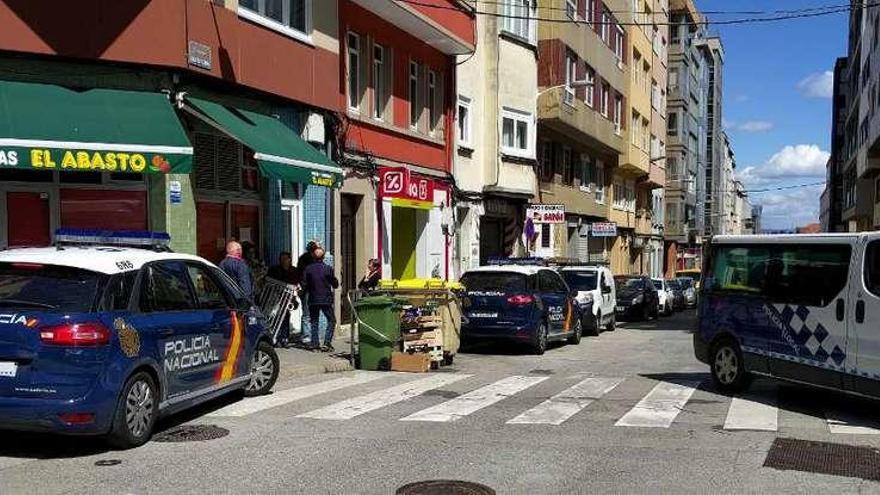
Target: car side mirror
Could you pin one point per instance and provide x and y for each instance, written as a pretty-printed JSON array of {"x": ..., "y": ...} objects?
[{"x": 243, "y": 304}]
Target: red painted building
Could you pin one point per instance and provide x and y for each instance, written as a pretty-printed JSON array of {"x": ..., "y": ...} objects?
[
  {"x": 282, "y": 63},
  {"x": 397, "y": 94}
]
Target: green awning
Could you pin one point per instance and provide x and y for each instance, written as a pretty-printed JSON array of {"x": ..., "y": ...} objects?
[
  {"x": 280, "y": 152},
  {"x": 49, "y": 127}
]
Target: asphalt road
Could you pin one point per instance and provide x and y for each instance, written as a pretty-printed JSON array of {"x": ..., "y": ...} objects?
[{"x": 629, "y": 411}]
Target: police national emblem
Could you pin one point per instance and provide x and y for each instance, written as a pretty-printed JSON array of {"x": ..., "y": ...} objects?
[{"x": 129, "y": 339}]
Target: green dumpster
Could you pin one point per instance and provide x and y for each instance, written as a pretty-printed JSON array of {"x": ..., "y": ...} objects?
[{"x": 378, "y": 330}]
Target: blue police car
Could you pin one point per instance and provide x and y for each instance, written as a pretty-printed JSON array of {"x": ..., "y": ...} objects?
[
  {"x": 100, "y": 339},
  {"x": 530, "y": 304}
]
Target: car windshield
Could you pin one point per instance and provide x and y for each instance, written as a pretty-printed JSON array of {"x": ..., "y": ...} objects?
[
  {"x": 581, "y": 280},
  {"x": 658, "y": 284},
  {"x": 674, "y": 285},
  {"x": 686, "y": 283},
  {"x": 629, "y": 283},
  {"x": 47, "y": 287},
  {"x": 693, "y": 275},
  {"x": 493, "y": 281}
]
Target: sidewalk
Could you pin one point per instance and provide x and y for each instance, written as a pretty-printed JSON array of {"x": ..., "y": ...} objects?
[{"x": 296, "y": 362}]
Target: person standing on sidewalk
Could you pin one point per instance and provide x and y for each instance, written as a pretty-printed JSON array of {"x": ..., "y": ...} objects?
[
  {"x": 237, "y": 269},
  {"x": 319, "y": 283}
]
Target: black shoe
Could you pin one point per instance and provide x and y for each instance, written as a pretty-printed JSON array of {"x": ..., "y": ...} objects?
[{"x": 327, "y": 348}]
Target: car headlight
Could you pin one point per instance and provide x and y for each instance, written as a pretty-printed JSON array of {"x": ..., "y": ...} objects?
[
  {"x": 587, "y": 299},
  {"x": 638, "y": 299}
]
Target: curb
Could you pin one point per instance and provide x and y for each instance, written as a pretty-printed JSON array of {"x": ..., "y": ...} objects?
[{"x": 331, "y": 366}]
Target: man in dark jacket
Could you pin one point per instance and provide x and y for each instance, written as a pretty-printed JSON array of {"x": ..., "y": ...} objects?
[
  {"x": 319, "y": 282},
  {"x": 237, "y": 269},
  {"x": 304, "y": 260}
]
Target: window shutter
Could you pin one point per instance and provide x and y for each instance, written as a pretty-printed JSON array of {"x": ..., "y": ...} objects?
[
  {"x": 229, "y": 156},
  {"x": 204, "y": 160}
]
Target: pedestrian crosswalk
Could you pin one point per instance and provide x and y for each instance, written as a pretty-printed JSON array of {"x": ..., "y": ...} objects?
[{"x": 543, "y": 401}]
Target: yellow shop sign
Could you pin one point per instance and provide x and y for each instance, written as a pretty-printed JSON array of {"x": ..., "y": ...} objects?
[{"x": 108, "y": 161}]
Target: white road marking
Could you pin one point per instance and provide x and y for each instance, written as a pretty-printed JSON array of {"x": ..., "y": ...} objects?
[
  {"x": 847, "y": 423},
  {"x": 473, "y": 401},
  {"x": 745, "y": 414},
  {"x": 660, "y": 407},
  {"x": 560, "y": 407},
  {"x": 257, "y": 404},
  {"x": 356, "y": 406},
  {"x": 8, "y": 462}
]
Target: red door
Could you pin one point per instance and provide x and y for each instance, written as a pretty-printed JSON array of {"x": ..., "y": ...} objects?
[
  {"x": 211, "y": 230},
  {"x": 27, "y": 215}
]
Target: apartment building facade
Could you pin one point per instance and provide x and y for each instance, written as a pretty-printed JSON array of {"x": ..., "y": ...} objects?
[
  {"x": 398, "y": 139},
  {"x": 582, "y": 125},
  {"x": 717, "y": 180},
  {"x": 686, "y": 135},
  {"x": 496, "y": 134},
  {"x": 854, "y": 168},
  {"x": 240, "y": 119}
]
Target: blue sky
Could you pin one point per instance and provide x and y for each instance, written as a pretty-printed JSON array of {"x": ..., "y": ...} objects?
[{"x": 777, "y": 106}]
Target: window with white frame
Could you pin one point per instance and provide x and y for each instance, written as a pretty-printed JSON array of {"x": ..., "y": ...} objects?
[
  {"x": 655, "y": 95},
  {"x": 432, "y": 101},
  {"x": 517, "y": 136},
  {"x": 655, "y": 147},
  {"x": 520, "y": 19},
  {"x": 618, "y": 113},
  {"x": 603, "y": 99},
  {"x": 591, "y": 11},
  {"x": 587, "y": 172},
  {"x": 546, "y": 161},
  {"x": 571, "y": 9},
  {"x": 619, "y": 44},
  {"x": 292, "y": 17},
  {"x": 567, "y": 165},
  {"x": 599, "y": 188},
  {"x": 630, "y": 189},
  {"x": 635, "y": 128},
  {"x": 646, "y": 135},
  {"x": 605, "y": 28},
  {"x": 414, "y": 106},
  {"x": 570, "y": 75},
  {"x": 463, "y": 117},
  {"x": 380, "y": 75},
  {"x": 354, "y": 73},
  {"x": 619, "y": 202},
  {"x": 591, "y": 87}
]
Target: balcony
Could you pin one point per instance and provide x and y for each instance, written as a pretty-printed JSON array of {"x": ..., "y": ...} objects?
[
  {"x": 656, "y": 177},
  {"x": 436, "y": 22},
  {"x": 578, "y": 121}
]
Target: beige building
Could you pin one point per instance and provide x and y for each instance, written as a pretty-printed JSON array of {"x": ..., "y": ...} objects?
[
  {"x": 641, "y": 169},
  {"x": 496, "y": 135},
  {"x": 583, "y": 80}
]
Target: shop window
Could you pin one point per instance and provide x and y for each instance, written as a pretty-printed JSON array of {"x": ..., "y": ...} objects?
[{"x": 291, "y": 17}]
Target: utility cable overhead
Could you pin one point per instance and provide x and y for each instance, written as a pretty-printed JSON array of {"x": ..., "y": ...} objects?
[
  {"x": 800, "y": 14},
  {"x": 704, "y": 12}
]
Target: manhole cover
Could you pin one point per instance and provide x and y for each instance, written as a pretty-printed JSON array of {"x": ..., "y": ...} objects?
[
  {"x": 444, "y": 487},
  {"x": 191, "y": 433},
  {"x": 445, "y": 394},
  {"x": 825, "y": 458}
]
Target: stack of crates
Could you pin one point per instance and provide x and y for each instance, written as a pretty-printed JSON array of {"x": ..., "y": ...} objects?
[{"x": 422, "y": 330}]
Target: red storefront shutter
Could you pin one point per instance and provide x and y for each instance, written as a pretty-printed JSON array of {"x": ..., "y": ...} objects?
[
  {"x": 103, "y": 209},
  {"x": 28, "y": 219}
]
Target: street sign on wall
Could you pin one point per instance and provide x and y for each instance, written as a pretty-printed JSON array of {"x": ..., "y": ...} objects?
[{"x": 604, "y": 229}]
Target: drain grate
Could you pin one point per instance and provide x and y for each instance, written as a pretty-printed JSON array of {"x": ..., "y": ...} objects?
[
  {"x": 444, "y": 487},
  {"x": 191, "y": 433},
  {"x": 824, "y": 458}
]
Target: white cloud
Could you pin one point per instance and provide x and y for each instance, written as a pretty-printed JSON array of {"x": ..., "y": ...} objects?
[
  {"x": 728, "y": 124},
  {"x": 754, "y": 126},
  {"x": 798, "y": 161},
  {"x": 817, "y": 85},
  {"x": 790, "y": 208}
]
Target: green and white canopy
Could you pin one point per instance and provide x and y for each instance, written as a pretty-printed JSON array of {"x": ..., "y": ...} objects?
[
  {"x": 280, "y": 152},
  {"x": 49, "y": 127}
]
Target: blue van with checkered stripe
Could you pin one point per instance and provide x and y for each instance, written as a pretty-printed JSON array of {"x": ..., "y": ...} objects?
[{"x": 802, "y": 308}]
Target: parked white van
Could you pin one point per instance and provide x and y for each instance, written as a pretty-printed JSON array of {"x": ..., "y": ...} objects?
[
  {"x": 803, "y": 308},
  {"x": 595, "y": 295}
]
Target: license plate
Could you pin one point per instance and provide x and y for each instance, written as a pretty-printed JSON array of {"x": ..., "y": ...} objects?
[
  {"x": 620, "y": 309},
  {"x": 8, "y": 370},
  {"x": 484, "y": 315}
]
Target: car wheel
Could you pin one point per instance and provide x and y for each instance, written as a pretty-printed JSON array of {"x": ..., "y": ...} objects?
[
  {"x": 646, "y": 312},
  {"x": 593, "y": 330},
  {"x": 135, "y": 413},
  {"x": 540, "y": 344},
  {"x": 612, "y": 324},
  {"x": 578, "y": 332},
  {"x": 728, "y": 371},
  {"x": 264, "y": 370}
]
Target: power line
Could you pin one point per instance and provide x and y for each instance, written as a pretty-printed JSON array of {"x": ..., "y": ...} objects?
[
  {"x": 783, "y": 188},
  {"x": 704, "y": 12},
  {"x": 800, "y": 14}
]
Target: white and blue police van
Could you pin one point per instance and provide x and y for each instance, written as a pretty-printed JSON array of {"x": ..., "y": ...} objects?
[{"x": 801, "y": 308}]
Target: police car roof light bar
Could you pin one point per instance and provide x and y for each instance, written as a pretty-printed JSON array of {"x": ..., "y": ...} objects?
[
  {"x": 123, "y": 238},
  {"x": 505, "y": 261}
]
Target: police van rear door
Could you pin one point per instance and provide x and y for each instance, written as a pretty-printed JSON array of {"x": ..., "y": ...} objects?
[{"x": 863, "y": 314}]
